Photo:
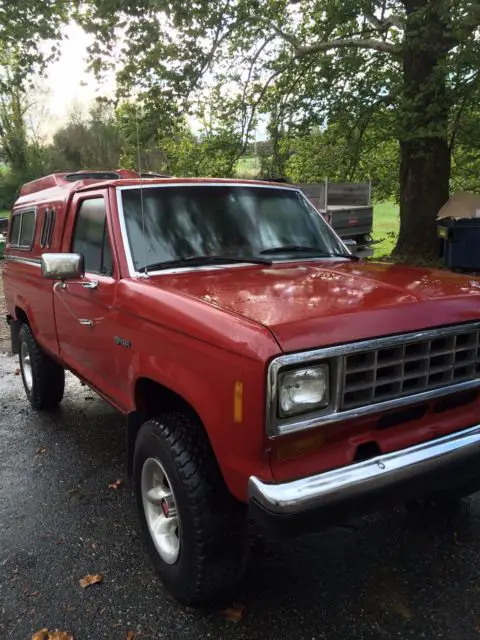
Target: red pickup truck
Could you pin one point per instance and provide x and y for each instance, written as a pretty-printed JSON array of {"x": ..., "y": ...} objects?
[{"x": 266, "y": 375}]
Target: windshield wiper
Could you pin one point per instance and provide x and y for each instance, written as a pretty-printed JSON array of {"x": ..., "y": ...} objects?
[
  {"x": 197, "y": 261},
  {"x": 294, "y": 248}
]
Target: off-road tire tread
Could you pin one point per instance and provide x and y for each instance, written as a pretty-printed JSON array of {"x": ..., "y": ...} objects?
[
  {"x": 219, "y": 520},
  {"x": 48, "y": 376}
]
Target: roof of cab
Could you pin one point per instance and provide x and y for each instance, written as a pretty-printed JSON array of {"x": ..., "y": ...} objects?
[{"x": 57, "y": 187}]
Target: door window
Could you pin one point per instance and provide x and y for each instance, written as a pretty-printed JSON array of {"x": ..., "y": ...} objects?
[{"x": 90, "y": 237}]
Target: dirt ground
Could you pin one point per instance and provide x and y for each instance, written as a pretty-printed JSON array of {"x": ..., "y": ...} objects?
[{"x": 4, "y": 331}]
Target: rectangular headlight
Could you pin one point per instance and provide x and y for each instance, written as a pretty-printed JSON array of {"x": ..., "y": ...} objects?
[{"x": 303, "y": 390}]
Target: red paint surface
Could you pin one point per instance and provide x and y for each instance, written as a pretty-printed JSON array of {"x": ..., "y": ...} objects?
[{"x": 199, "y": 332}]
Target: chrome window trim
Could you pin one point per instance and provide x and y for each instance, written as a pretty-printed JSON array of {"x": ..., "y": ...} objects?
[
  {"x": 123, "y": 230},
  {"x": 276, "y": 428},
  {"x": 23, "y": 247},
  {"x": 133, "y": 273},
  {"x": 36, "y": 262}
]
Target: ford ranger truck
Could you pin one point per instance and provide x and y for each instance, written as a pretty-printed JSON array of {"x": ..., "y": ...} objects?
[{"x": 265, "y": 374}]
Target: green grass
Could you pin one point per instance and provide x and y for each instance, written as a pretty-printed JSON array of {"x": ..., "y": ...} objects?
[
  {"x": 4, "y": 214},
  {"x": 247, "y": 167},
  {"x": 385, "y": 227}
]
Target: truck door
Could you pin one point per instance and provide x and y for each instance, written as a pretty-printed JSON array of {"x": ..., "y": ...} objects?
[{"x": 84, "y": 310}]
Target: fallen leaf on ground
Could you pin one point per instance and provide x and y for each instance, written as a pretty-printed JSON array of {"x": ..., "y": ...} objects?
[
  {"x": 402, "y": 609},
  {"x": 17, "y": 372},
  {"x": 40, "y": 635},
  {"x": 130, "y": 636},
  {"x": 116, "y": 484},
  {"x": 59, "y": 635},
  {"x": 95, "y": 578},
  {"x": 41, "y": 450},
  {"x": 235, "y": 613}
]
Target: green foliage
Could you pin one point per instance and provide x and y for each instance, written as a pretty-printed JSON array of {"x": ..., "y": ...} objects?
[
  {"x": 213, "y": 155},
  {"x": 9, "y": 187},
  {"x": 341, "y": 83},
  {"x": 91, "y": 143},
  {"x": 24, "y": 29}
]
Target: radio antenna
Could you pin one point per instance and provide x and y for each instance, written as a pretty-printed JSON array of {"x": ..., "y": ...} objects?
[{"x": 139, "y": 165}]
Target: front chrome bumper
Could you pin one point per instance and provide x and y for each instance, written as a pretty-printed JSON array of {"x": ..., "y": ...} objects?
[{"x": 359, "y": 480}]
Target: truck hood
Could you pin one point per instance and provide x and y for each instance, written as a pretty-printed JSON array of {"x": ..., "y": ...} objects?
[{"x": 314, "y": 304}]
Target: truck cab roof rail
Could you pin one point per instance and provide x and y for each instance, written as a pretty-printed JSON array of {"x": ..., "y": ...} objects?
[
  {"x": 150, "y": 174},
  {"x": 92, "y": 175}
]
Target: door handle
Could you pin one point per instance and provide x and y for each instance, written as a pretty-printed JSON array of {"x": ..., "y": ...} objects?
[
  {"x": 91, "y": 284},
  {"x": 85, "y": 323}
]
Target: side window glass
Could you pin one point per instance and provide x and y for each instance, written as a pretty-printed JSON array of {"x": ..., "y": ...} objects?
[
  {"x": 27, "y": 231},
  {"x": 90, "y": 236},
  {"x": 15, "y": 229},
  {"x": 50, "y": 227},
  {"x": 22, "y": 229},
  {"x": 47, "y": 229}
]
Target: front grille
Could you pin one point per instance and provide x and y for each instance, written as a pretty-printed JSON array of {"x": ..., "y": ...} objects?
[{"x": 390, "y": 372}]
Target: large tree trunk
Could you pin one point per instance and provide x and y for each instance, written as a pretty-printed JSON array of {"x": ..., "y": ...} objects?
[{"x": 424, "y": 149}]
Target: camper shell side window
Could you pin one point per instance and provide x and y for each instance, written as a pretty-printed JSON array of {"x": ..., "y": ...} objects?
[{"x": 22, "y": 229}]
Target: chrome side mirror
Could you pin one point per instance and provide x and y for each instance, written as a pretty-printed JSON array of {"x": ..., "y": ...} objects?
[
  {"x": 62, "y": 266},
  {"x": 351, "y": 246}
]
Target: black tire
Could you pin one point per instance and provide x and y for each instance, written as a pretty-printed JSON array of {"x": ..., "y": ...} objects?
[
  {"x": 213, "y": 525},
  {"x": 48, "y": 378}
]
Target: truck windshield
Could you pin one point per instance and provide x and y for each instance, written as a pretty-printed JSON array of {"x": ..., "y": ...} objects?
[{"x": 226, "y": 221}]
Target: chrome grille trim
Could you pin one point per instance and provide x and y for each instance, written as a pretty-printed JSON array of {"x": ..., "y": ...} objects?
[
  {"x": 376, "y": 375},
  {"x": 335, "y": 355}
]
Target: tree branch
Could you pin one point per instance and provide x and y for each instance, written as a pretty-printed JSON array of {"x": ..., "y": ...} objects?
[
  {"x": 250, "y": 71},
  {"x": 286, "y": 36},
  {"x": 384, "y": 24},
  {"x": 344, "y": 43}
]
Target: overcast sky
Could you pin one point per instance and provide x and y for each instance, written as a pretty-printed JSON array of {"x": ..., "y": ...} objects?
[{"x": 68, "y": 83}]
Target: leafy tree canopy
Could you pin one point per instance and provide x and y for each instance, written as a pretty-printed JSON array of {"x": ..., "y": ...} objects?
[
  {"x": 410, "y": 64},
  {"x": 24, "y": 28}
]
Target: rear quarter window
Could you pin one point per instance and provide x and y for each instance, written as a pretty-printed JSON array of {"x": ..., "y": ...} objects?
[
  {"x": 15, "y": 223},
  {"x": 22, "y": 229},
  {"x": 27, "y": 230}
]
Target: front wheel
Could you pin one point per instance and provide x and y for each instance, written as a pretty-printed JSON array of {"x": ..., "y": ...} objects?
[
  {"x": 43, "y": 379},
  {"x": 194, "y": 529}
]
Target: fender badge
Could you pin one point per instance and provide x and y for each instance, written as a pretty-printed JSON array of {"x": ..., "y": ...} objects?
[{"x": 122, "y": 342}]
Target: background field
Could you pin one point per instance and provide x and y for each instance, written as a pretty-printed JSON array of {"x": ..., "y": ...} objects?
[{"x": 385, "y": 227}]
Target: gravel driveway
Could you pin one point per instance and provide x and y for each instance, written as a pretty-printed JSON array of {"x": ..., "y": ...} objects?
[
  {"x": 4, "y": 330},
  {"x": 386, "y": 576}
]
